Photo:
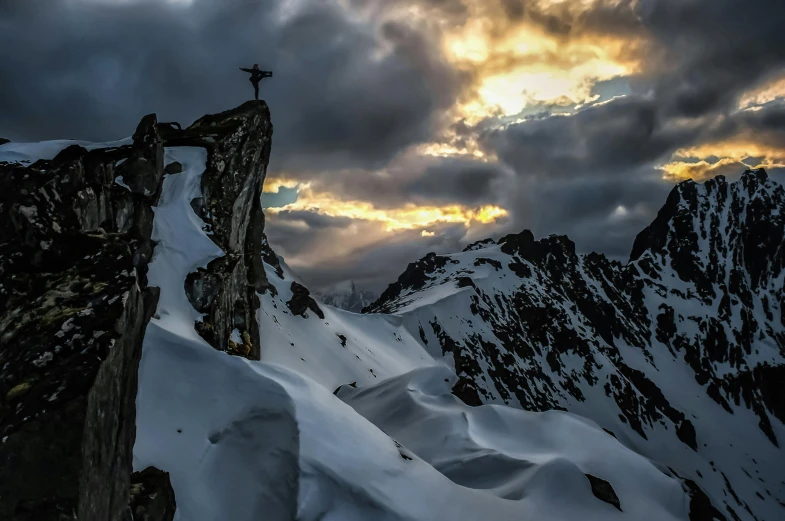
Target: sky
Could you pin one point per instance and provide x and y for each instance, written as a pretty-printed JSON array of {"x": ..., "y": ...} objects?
[{"x": 403, "y": 127}]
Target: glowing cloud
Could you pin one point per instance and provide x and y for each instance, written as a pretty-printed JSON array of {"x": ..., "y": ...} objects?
[
  {"x": 408, "y": 217},
  {"x": 517, "y": 66},
  {"x": 769, "y": 91},
  {"x": 706, "y": 161}
]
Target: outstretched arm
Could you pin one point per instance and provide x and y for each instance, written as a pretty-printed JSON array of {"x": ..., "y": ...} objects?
[{"x": 246, "y": 70}]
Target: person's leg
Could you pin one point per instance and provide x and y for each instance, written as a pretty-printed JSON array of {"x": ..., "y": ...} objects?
[{"x": 256, "y": 90}]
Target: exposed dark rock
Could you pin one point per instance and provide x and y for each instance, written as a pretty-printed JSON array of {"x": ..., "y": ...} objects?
[
  {"x": 603, "y": 491},
  {"x": 173, "y": 168},
  {"x": 143, "y": 169},
  {"x": 269, "y": 256},
  {"x": 769, "y": 379},
  {"x": 238, "y": 144},
  {"x": 152, "y": 496},
  {"x": 353, "y": 385},
  {"x": 610, "y": 432},
  {"x": 493, "y": 262},
  {"x": 479, "y": 245},
  {"x": 74, "y": 304},
  {"x": 465, "y": 282},
  {"x": 302, "y": 301},
  {"x": 701, "y": 508},
  {"x": 414, "y": 278},
  {"x": 686, "y": 433},
  {"x": 3, "y": 141},
  {"x": 467, "y": 393}
]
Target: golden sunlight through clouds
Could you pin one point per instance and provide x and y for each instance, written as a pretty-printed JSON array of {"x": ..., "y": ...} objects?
[
  {"x": 769, "y": 91},
  {"x": 736, "y": 152},
  {"x": 523, "y": 67},
  {"x": 407, "y": 217}
]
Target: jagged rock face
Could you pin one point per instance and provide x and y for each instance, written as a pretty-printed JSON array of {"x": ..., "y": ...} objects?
[
  {"x": 669, "y": 350},
  {"x": 302, "y": 301},
  {"x": 152, "y": 496},
  {"x": 75, "y": 243},
  {"x": 238, "y": 144},
  {"x": 74, "y": 304},
  {"x": 415, "y": 277}
]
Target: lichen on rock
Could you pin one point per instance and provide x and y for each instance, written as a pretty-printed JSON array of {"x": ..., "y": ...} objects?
[{"x": 74, "y": 304}]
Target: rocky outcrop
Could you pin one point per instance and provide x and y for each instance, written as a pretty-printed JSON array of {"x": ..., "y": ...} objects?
[
  {"x": 74, "y": 304},
  {"x": 603, "y": 491},
  {"x": 152, "y": 497},
  {"x": 701, "y": 508},
  {"x": 238, "y": 144},
  {"x": 302, "y": 301},
  {"x": 75, "y": 243},
  {"x": 416, "y": 276}
]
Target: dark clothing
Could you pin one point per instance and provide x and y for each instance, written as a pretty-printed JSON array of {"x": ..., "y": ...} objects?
[{"x": 256, "y": 77}]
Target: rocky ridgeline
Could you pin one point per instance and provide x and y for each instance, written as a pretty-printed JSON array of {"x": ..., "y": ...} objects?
[
  {"x": 725, "y": 240},
  {"x": 238, "y": 144},
  {"x": 542, "y": 327},
  {"x": 75, "y": 243}
]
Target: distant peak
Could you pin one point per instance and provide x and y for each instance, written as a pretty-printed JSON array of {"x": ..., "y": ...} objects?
[
  {"x": 755, "y": 173},
  {"x": 525, "y": 245}
]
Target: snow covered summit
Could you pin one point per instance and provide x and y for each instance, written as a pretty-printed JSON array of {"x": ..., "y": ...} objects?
[{"x": 514, "y": 380}]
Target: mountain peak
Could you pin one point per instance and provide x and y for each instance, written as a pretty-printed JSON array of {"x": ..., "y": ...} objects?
[
  {"x": 694, "y": 227},
  {"x": 669, "y": 350}
]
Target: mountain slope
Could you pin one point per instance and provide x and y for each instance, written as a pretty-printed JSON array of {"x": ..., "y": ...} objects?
[
  {"x": 255, "y": 400},
  {"x": 679, "y": 353},
  {"x": 243, "y": 439}
]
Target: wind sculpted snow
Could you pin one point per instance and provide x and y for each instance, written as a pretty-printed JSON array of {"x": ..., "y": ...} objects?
[{"x": 246, "y": 440}]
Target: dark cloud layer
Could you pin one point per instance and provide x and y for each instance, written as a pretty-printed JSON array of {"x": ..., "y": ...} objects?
[
  {"x": 352, "y": 92},
  {"x": 313, "y": 220},
  {"x": 341, "y": 95},
  {"x": 428, "y": 181},
  {"x": 463, "y": 181}
]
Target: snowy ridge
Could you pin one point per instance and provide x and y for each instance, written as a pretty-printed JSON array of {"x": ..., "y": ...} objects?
[
  {"x": 24, "y": 153},
  {"x": 679, "y": 353},
  {"x": 247, "y": 439}
]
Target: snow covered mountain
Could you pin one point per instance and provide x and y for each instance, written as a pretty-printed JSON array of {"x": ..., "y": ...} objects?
[
  {"x": 515, "y": 380},
  {"x": 346, "y": 296},
  {"x": 680, "y": 353}
]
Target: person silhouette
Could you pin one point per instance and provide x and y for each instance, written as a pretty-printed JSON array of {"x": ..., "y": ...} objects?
[{"x": 256, "y": 77}]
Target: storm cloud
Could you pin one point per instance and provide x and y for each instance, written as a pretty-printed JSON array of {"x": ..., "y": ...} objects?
[
  {"x": 375, "y": 107},
  {"x": 344, "y": 92}
]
